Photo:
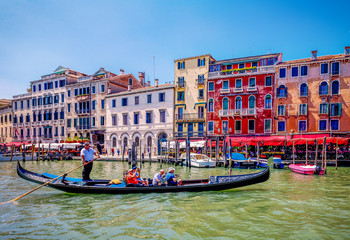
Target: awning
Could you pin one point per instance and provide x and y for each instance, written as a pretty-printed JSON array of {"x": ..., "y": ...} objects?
[
  {"x": 179, "y": 105},
  {"x": 200, "y": 104},
  {"x": 253, "y": 141},
  {"x": 17, "y": 144},
  {"x": 238, "y": 62}
]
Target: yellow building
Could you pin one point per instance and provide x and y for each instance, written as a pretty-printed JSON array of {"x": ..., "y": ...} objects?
[
  {"x": 5, "y": 121},
  {"x": 191, "y": 95}
]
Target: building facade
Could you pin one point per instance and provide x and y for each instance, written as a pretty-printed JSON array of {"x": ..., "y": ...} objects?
[
  {"x": 86, "y": 106},
  {"x": 190, "y": 95},
  {"x": 241, "y": 95},
  {"x": 22, "y": 117},
  {"x": 142, "y": 116},
  {"x": 6, "y": 122},
  {"x": 312, "y": 95}
]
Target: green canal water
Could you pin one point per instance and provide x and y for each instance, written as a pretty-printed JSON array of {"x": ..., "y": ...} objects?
[{"x": 287, "y": 206}]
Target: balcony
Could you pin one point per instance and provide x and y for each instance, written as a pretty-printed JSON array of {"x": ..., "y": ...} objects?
[
  {"x": 82, "y": 97},
  {"x": 47, "y": 136},
  {"x": 61, "y": 121},
  {"x": 237, "y": 112},
  {"x": 224, "y": 90},
  {"x": 251, "y": 131},
  {"x": 20, "y": 124},
  {"x": 189, "y": 134},
  {"x": 238, "y": 131},
  {"x": 189, "y": 117},
  {"x": 15, "y": 125},
  {"x": 303, "y": 94},
  {"x": 55, "y": 122},
  {"x": 180, "y": 84},
  {"x": 323, "y": 93},
  {"x": 83, "y": 112},
  {"x": 281, "y": 95},
  {"x": 46, "y": 122},
  {"x": 237, "y": 90},
  {"x": 82, "y": 127},
  {"x": 200, "y": 98},
  {"x": 252, "y": 89},
  {"x": 242, "y": 72},
  {"x": 200, "y": 82},
  {"x": 27, "y": 124}
]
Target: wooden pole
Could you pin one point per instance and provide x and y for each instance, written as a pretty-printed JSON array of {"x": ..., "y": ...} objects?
[
  {"x": 306, "y": 150},
  {"x": 216, "y": 151},
  {"x": 325, "y": 155},
  {"x": 61, "y": 150},
  {"x": 12, "y": 149},
  {"x": 230, "y": 165},
  {"x": 39, "y": 151},
  {"x": 336, "y": 156},
  {"x": 225, "y": 150},
  {"x": 316, "y": 154},
  {"x": 189, "y": 153},
  {"x": 168, "y": 150},
  {"x": 246, "y": 150},
  {"x": 258, "y": 152},
  {"x": 206, "y": 146},
  {"x": 176, "y": 151},
  {"x": 33, "y": 150},
  {"x": 293, "y": 152},
  {"x": 210, "y": 145},
  {"x": 140, "y": 154}
]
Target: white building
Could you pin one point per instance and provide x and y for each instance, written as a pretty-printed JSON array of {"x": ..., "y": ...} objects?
[
  {"x": 22, "y": 117},
  {"x": 144, "y": 116}
]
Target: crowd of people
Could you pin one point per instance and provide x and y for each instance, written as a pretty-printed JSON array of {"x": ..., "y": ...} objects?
[{"x": 159, "y": 179}]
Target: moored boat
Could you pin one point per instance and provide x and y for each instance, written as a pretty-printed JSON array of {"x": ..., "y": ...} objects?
[
  {"x": 306, "y": 169},
  {"x": 198, "y": 160},
  {"x": 76, "y": 185}
]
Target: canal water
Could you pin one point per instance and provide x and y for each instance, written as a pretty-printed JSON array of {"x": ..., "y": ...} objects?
[{"x": 287, "y": 206}]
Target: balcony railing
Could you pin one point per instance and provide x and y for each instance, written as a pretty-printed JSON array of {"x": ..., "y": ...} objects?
[
  {"x": 224, "y": 90},
  {"x": 81, "y": 127},
  {"x": 238, "y": 131},
  {"x": 265, "y": 69},
  {"x": 281, "y": 95},
  {"x": 252, "y": 89},
  {"x": 200, "y": 98},
  {"x": 20, "y": 124},
  {"x": 27, "y": 124},
  {"x": 82, "y": 111},
  {"x": 47, "y": 136},
  {"x": 303, "y": 94},
  {"x": 189, "y": 134},
  {"x": 237, "y": 90},
  {"x": 323, "y": 93},
  {"x": 237, "y": 112},
  {"x": 251, "y": 131},
  {"x": 189, "y": 116},
  {"x": 200, "y": 82},
  {"x": 180, "y": 84}
]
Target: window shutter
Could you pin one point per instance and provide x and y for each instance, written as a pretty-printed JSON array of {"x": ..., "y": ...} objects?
[
  {"x": 199, "y": 62},
  {"x": 184, "y": 64},
  {"x": 178, "y": 65},
  {"x": 203, "y": 61},
  {"x": 339, "y": 109}
]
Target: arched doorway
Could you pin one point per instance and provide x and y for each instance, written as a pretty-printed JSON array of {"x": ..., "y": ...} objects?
[{"x": 161, "y": 138}]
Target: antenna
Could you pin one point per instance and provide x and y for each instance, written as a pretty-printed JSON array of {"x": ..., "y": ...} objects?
[{"x": 154, "y": 68}]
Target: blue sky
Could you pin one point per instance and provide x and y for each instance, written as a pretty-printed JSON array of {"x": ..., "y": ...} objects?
[{"x": 84, "y": 35}]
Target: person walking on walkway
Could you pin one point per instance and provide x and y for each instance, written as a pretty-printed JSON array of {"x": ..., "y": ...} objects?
[{"x": 87, "y": 155}]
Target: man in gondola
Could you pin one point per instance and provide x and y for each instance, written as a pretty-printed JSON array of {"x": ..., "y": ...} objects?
[
  {"x": 87, "y": 155},
  {"x": 171, "y": 178}
]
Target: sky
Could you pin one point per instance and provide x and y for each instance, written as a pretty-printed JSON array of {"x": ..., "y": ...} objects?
[{"x": 37, "y": 36}]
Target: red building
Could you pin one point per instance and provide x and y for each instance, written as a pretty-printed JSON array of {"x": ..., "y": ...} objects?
[{"x": 241, "y": 95}]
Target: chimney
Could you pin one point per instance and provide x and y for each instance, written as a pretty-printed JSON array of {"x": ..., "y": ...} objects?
[
  {"x": 347, "y": 51},
  {"x": 314, "y": 55},
  {"x": 102, "y": 69},
  {"x": 142, "y": 78},
  {"x": 148, "y": 83},
  {"x": 156, "y": 83},
  {"x": 129, "y": 87},
  {"x": 109, "y": 91},
  {"x": 121, "y": 71}
]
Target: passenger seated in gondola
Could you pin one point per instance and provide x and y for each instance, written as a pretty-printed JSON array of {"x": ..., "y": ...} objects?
[
  {"x": 134, "y": 177},
  {"x": 158, "y": 178},
  {"x": 170, "y": 177}
]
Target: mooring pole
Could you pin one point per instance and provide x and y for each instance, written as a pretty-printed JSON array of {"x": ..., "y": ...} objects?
[
  {"x": 293, "y": 152},
  {"x": 316, "y": 154},
  {"x": 336, "y": 155},
  {"x": 306, "y": 152}
]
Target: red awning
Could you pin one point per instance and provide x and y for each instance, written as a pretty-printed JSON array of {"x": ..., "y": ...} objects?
[
  {"x": 263, "y": 140},
  {"x": 17, "y": 144}
]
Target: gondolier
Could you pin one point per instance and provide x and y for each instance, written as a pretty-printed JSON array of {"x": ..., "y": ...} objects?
[{"x": 87, "y": 155}]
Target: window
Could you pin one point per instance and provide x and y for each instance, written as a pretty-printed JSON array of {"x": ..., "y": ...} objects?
[
  {"x": 303, "y": 109},
  {"x": 335, "y": 87},
  {"x": 181, "y": 65},
  {"x": 335, "y": 68},
  {"x": 114, "y": 119},
  {"x": 303, "y": 90},
  {"x": 56, "y": 84},
  {"x": 68, "y": 93},
  {"x": 162, "y": 115},
  {"x": 238, "y": 126},
  {"x": 93, "y": 121},
  {"x": 281, "y": 126},
  {"x": 282, "y": 72},
  {"x": 211, "y": 105},
  {"x": 93, "y": 89},
  {"x": 124, "y": 102},
  {"x": 130, "y": 81},
  {"x": 161, "y": 97},
  {"x": 281, "y": 110},
  {"x": 224, "y": 127},
  {"x": 251, "y": 102},
  {"x": 281, "y": 92},
  {"x": 303, "y": 70},
  {"x": 225, "y": 104},
  {"x": 136, "y": 118},
  {"x": 62, "y": 97},
  {"x": 201, "y": 93},
  {"x": 39, "y": 87},
  {"x": 252, "y": 82},
  {"x": 114, "y": 142},
  {"x": 267, "y": 125},
  {"x": 102, "y": 120},
  {"x": 302, "y": 126},
  {"x": 323, "y": 89},
  {"x": 149, "y": 98},
  {"x": 324, "y": 68},
  {"x": 103, "y": 104},
  {"x": 238, "y": 103},
  {"x": 180, "y": 129},
  {"x": 62, "y": 83},
  {"x": 22, "y": 105},
  {"x": 15, "y": 105},
  {"x": 211, "y": 86},
  {"x": 251, "y": 125},
  {"x": 200, "y": 79},
  {"x": 295, "y": 71},
  {"x": 268, "y": 81},
  {"x": 322, "y": 125},
  {"x": 225, "y": 85},
  {"x": 211, "y": 126},
  {"x": 238, "y": 83},
  {"x": 103, "y": 88},
  {"x": 69, "y": 123},
  {"x": 68, "y": 107},
  {"x": 114, "y": 103},
  {"x": 62, "y": 114},
  {"x": 180, "y": 96},
  {"x": 254, "y": 64},
  {"x": 149, "y": 117},
  {"x": 201, "y": 62},
  {"x": 335, "y": 124},
  {"x": 93, "y": 105},
  {"x": 137, "y": 100},
  {"x": 323, "y": 108},
  {"x": 181, "y": 82},
  {"x": 335, "y": 109},
  {"x": 268, "y": 101}
]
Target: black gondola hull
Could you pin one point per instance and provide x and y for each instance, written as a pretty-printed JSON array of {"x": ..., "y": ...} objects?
[{"x": 229, "y": 183}]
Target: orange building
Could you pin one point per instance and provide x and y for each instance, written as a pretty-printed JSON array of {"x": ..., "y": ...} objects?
[{"x": 313, "y": 96}]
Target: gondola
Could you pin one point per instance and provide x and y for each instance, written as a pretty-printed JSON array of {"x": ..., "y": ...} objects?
[{"x": 76, "y": 185}]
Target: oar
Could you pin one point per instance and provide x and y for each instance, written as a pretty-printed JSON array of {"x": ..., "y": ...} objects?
[{"x": 17, "y": 198}]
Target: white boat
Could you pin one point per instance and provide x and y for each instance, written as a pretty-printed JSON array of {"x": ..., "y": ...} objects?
[{"x": 198, "y": 160}]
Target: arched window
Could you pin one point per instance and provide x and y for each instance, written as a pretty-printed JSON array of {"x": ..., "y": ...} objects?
[
  {"x": 282, "y": 91},
  {"x": 323, "y": 89},
  {"x": 238, "y": 103},
  {"x": 211, "y": 105},
  {"x": 149, "y": 141},
  {"x": 130, "y": 81},
  {"x": 137, "y": 142},
  {"x": 268, "y": 101},
  {"x": 114, "y": 142},
  {"x": 251, "y": 102},
  {"x": 335, "y": 87},
  {"x": 225, "y": 104},
  {"x": 303, "y": 90},
  {"x": 125, "y": 141}
]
